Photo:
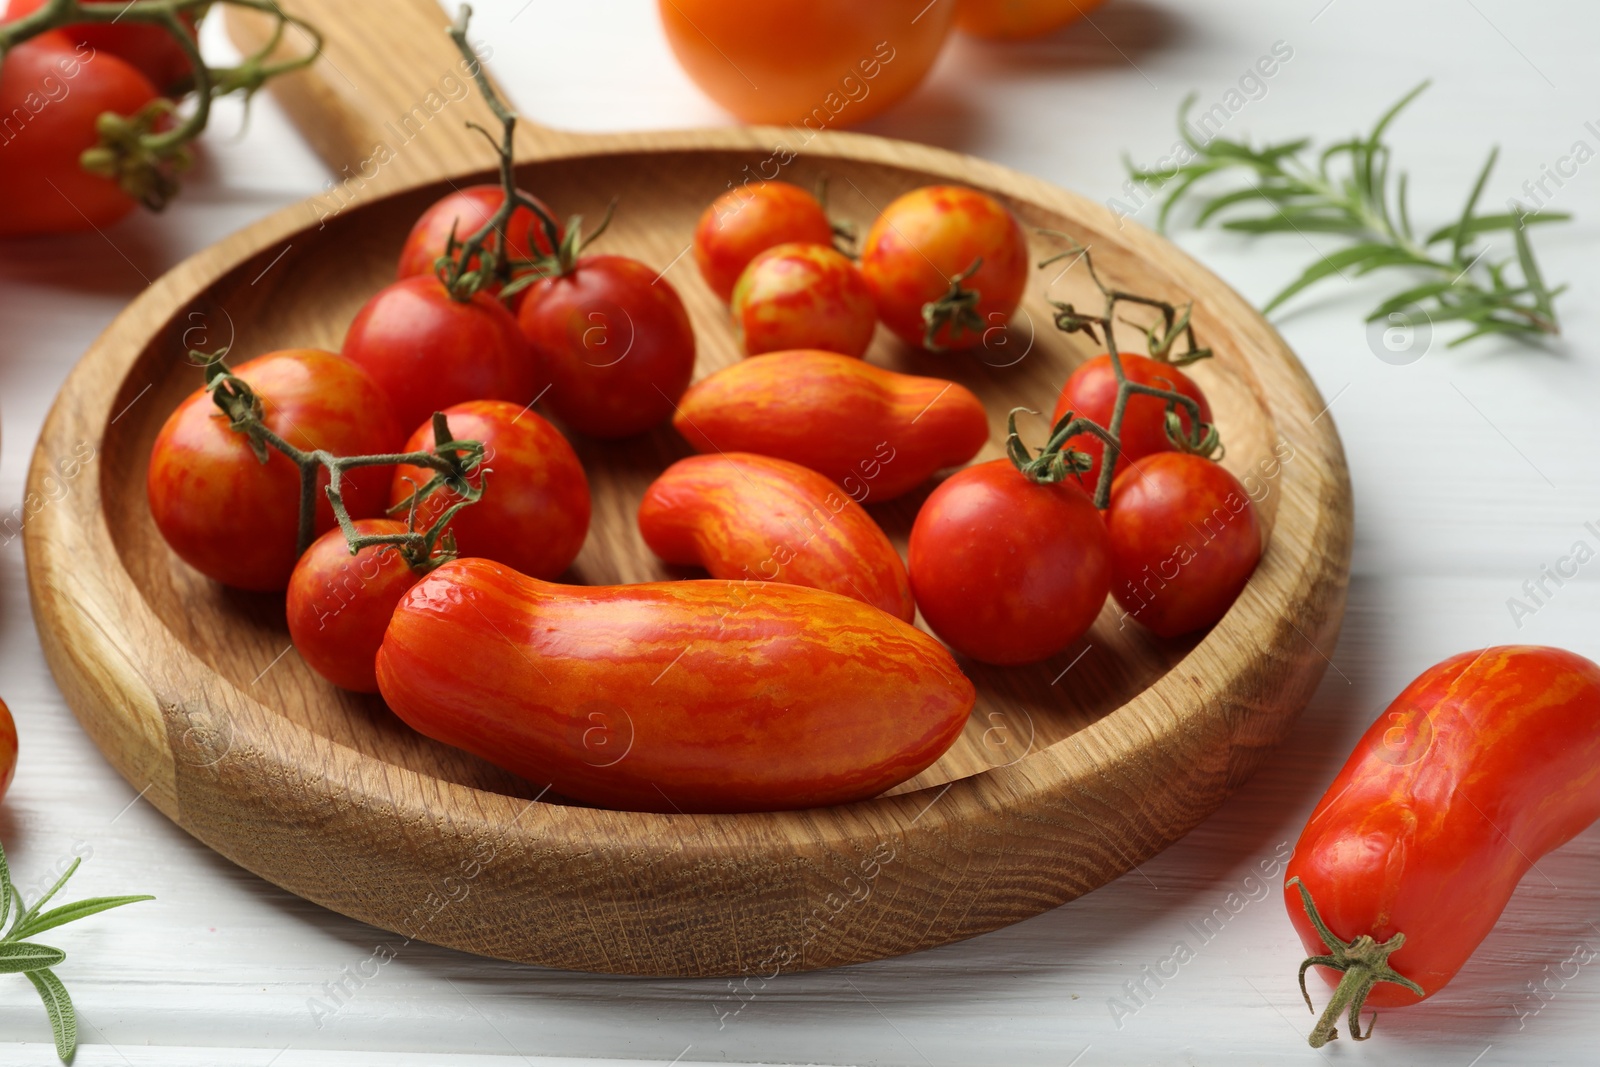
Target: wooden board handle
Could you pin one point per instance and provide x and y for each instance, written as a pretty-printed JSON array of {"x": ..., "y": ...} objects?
[{"x": 388, "y": 103}]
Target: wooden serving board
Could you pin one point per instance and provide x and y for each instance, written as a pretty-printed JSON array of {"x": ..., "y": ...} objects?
[{"x": 1069, "y": 773}]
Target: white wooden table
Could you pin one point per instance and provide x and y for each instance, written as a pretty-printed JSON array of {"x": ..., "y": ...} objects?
[{"x": 1471, "y": 469}]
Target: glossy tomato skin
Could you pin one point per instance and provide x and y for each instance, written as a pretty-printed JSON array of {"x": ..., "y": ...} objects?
[
  {"x": 467, "y": 210},
  {"x": 803, "y": 296},
  {"x": 339, "y": 605},
  {"x": 1480, "y": 767},
  {"x": 60, "y": 91},
  {"x": 756, "y": 518},
  {"x": 236, "y": 519},
  {"x": 692, "y": 696},
  {"x": 614, "y": 344},
  {"x": 427, "y": 350},
  {"x": 1011, "y": 20},
  {"x": 149, "y": 49},
  {"x": 873, "y": 431},
  {"x": 1005, "y": 570},
  {"x": 1184, "y": 541},
  {"x": 927, "y": 237},
  {"x": 534, "y": 514},
  {"x": 819, "y": 64},
  {"x": 1091, "y": 392},
  {"x": 8, "y": 748},
  {"x": 746, "y": 221}
]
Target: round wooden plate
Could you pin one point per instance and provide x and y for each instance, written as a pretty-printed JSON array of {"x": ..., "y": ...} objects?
[{"x": 1068, "y": 774}]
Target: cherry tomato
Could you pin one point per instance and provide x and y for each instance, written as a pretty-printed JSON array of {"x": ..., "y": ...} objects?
[
  {"x": 819, "y": 64},
  {"x": 744, "y": 222},
  {"x": 339, "y": 604},
  {"x": 1015, "y": 19},
  {"x": 148, "y": 48},
  {"x": 614, "y": 344},
  {"x": 466, "y": 210},
  {"x": 1091, "y": 391},
  {"x": 875, "y": 432},
  {"x": 928, "y": 237},
  {"x": 236, "y": 519},
  {"x": 1480, "y": 767},
  {"x": 50, "y": 97},
  {"x": 1184, "y": 541},
  {"x": 740, "y": 515},
  {"x": 693, "y": 696},
  {"x": 1006, "y": 570},
  {"x": 8, "y": 748},
  {"x": 427, "y": 350},
  {"x": 534, "y": 513},
  {"x": 803, "y": 296}
]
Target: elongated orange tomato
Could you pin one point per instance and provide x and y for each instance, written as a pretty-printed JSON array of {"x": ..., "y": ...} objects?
[
  {"x": 740, "y": 515},
  {"x": 875, "y": 432},
  {"x": 694, "y": 696}
]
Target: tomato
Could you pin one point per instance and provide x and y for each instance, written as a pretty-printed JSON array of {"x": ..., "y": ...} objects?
[
  {"x": 753, "y": 517},
  {"x": 8, "y": 748},
  {"x": 1184, "y": 541},
  {"x": 1006, "y": 570},
  {"x": 339, "y": 604},
  {"x": 818, "y": 64},
  {"x": 1016, "y": 19},
  {"x": 928, "y": 237},
  {"x": 1481, "y": 766},
  {"x": 613, "y": 342},
  {"x": 466, "y": 211},
  {"x": 149, "y": 49},
  {"x": 744, "y": 222},
  {"x": 534, "y": 512},
  {"x": 693, "y": 696},
  {"x": 427, "y": 350},
  {"x": 50, "y": 97},
  {"x": 1091, "y": 392},
  {"x": 875, "y": 432},
  {"x": 803, "y": 296},
  {"x": 236, "y": 519}
]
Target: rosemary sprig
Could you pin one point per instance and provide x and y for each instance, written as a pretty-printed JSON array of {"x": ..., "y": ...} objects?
[
  {"x": 1456, "y": 281},
  {"x": 19, "y": 955}
]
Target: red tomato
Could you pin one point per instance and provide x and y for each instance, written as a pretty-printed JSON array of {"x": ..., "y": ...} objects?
[
  {"x": 819, "y": 64},
  {"x": 1184, "y": 541},
  {"x": 875, "y": 432},
  {"x": 1006, "y": 570},
  {"x": 8, "y": 748},
  {"x": 236, "y": 519},
  {"x": 1481, "y": 766},
  {"x": 339, "y": 604},
  {"x": 1011, "y": 20},
  {"x": 695, "y": 696},
  {"x": 467, "y": 210},
  {"x": 744, "y": 222},
  {"x": 534, "y": 513},
  {"x": 925, "y": 239},
  {"x": 50, "y": 97},
  {"x": 753, "y": 517},
  {"x": 149, "y": 49},
  {"x": 614, "y": 344},
  {"x": 803, "y": 296},
  {"x": 427, "y": 350},
  {"x": 1091, "y": 391}
]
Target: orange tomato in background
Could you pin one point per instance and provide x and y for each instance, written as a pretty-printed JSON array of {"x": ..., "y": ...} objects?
[
  {"x": 1013, "y": 19},
  {"x": 819, "y": 63}
]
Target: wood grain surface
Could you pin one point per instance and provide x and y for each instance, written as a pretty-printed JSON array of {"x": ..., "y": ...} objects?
[{"x": 1068, "y": 774}]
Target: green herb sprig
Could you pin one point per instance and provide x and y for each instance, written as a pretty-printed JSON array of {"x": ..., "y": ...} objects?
[
  {"x": 19, "y": 955},
  {"x": 1357, "y": 201}
]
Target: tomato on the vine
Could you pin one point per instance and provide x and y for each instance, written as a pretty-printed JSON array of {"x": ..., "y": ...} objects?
[
  {"x": 746, "y": 221},
  {"x": 1009, "y": 20},
  {"x": 534, "y": 512},
  {"x": 464, "y": 212},
  {"x": 1005, "y": 569},
  {"x": 613, "y": 343},
  {"x": 236, "y": 519},
  {"x": 803, "y": 296},
  {"x": 150, "y": 49},
  {"x": 1091, "y": 392},
  {"x": 1184, "y": 541},
  {"x": 428, "y": 350},
  {"x": 926, "y": 240},
  {"x": 8, "y": 748}
]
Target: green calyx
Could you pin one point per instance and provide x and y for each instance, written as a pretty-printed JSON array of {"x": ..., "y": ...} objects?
[
  {"x": 1054, "y": 462},
  {"x": 956, "y": 309},
  {"x": 1364, "y": 963}
]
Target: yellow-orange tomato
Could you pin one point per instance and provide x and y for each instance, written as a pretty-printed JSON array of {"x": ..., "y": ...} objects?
[
  {"x": 8, "y": 748},
  {"x": 803, "y": 296},
  {"x": 757, "y": 518},
  {"x": 746, "y": 221},
  {"x": 1015, "y": 19},
  {"x": 819, "y": 64}
]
